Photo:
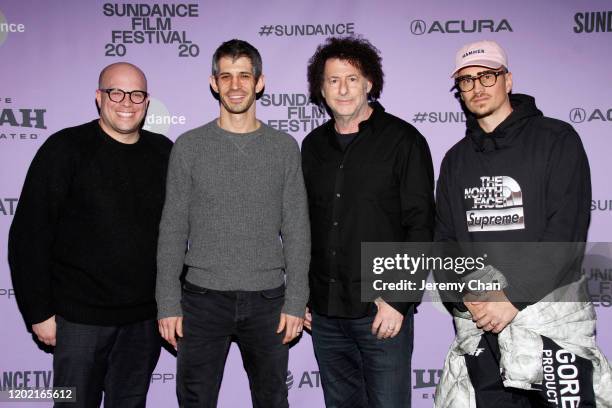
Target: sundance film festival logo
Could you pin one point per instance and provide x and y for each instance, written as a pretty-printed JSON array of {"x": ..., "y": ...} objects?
[
  {"x": 597, "y": 268},
  {"x": 151, "y": 24},
  {"x": 593, "y": 22},
  {"x": 159, "y": 119},
  {"x": 420, "y": 27},
  {"x": 297, "y": 113},
  {"x": 579, "y": 115},
  {"x": 600, "y": 286},
  {"x": 305, "y": 30},
  {"x": 7, "y": 27},
  {"x": 8, "y": 206},
  {"x": 18, "y": 123}
]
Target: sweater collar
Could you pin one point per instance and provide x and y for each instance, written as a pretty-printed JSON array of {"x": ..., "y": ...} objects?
[{"x": 114, "y": 142}]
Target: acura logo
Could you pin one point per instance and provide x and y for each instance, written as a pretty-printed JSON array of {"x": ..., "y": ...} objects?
[
  {"x": 577, "y": 115},
  {"x": 418, "y": 27}
]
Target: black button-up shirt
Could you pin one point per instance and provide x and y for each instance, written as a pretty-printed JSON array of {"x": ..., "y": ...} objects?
[{"x": 379, "y": 189}]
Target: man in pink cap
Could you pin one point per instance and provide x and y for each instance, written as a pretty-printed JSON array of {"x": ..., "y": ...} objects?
[
  {"x": 477, "y": 69},
  {"x": 517, "y": 176}
]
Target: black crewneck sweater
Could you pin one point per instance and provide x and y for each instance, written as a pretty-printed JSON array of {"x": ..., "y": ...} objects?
[{"x": 84, "y": 237}]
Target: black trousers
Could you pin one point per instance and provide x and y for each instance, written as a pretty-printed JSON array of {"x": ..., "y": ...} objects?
[
  {"x": 211, "y": 319},
  {"x": 116, "y": 361},
  {"x": 568, "y": 379}
]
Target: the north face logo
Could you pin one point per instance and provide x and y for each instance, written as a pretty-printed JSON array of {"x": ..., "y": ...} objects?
[{"x": 497, "y": 205}]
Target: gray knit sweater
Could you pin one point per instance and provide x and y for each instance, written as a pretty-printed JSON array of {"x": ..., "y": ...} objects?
[{"x": 230, "y": 198}]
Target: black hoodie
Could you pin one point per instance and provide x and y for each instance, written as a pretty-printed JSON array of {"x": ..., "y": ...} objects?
[{"x": 527, "y": 181}]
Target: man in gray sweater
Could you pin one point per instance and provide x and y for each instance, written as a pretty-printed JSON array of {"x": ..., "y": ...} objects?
[{"x": 236, "y": 215}]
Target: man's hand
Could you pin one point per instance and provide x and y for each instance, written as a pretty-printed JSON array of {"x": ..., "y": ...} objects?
[
  {"x": 308, "y": 319},
  {"x": 170, "y": 328},
  {"x": 492, "y": 312},
  {"x": 292, "y": 325},
  {"x": 387, "y": 322},
  {"x": 45, "y": 331}
]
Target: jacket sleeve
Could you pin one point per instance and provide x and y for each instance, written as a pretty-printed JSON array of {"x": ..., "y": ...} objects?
[
  {"x": 568, "y": 201},
  {"x": 173, "y": 233},
  {"x": 34, "y": 228},
  {"x": 417, "y": 200},
  {"x": 307, "y": 164},
  {"x": 446, "y": 235},
  {"x": 295, "y": 233},
  {"x": 444, "y": 225},
  {"x": 416, "y": 192},
  {"x": 568, "y": 191}
]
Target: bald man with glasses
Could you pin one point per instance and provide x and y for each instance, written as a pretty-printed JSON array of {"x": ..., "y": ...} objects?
[{"x": 82, "y": 246}]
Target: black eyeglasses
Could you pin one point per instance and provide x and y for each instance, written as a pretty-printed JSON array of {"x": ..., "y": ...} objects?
[
  {"x": 117, "y": 95},
  {"x": 488, "y": 79}
]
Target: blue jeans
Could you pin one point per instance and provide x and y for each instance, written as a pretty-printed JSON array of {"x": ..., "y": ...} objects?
[
  {"x": 357, "y": 369},
  {"x": 211, "y": 319}
]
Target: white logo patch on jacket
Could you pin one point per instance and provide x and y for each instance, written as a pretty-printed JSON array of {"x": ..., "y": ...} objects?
[{"x": 497, "y": 205}]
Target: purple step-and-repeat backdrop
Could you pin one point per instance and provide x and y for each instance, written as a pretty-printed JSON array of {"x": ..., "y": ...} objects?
[{"x": 51, "y": 53}]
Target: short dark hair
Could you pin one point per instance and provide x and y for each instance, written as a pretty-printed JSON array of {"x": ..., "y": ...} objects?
[
  {"x": 358, "y": 52},
  {"x": 236, "y": 49}
]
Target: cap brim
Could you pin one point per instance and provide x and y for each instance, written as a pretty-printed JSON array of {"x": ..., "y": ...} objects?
[{"x": 478, "y": 63}]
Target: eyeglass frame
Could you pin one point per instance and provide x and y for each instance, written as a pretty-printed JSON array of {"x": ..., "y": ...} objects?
[
  {"x": 109, "y": 90},
  {"x": 479, "y": 78}
]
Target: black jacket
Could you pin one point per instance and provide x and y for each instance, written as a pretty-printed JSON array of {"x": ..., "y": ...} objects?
[
  {"x": 379, "y": 189},
  {"x": 538, "y": 176}
]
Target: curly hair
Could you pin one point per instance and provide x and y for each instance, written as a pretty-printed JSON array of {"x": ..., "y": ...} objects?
[{"x": 357, "y": 51}]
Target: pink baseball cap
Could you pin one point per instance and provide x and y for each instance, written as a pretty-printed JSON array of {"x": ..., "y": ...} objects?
[{"x": 487, "y": 54}]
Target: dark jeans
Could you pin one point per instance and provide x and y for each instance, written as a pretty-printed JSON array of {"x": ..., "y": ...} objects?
[
  {"x": 210, "y": 320},
  {"x": 357, "y": 369},
  {"x": 115, "y": 360},
  {"x": 568, "y": 378}
]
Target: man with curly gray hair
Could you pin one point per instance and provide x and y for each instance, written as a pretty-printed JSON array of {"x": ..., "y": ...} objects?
[{"x": 369, "y": 178}]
